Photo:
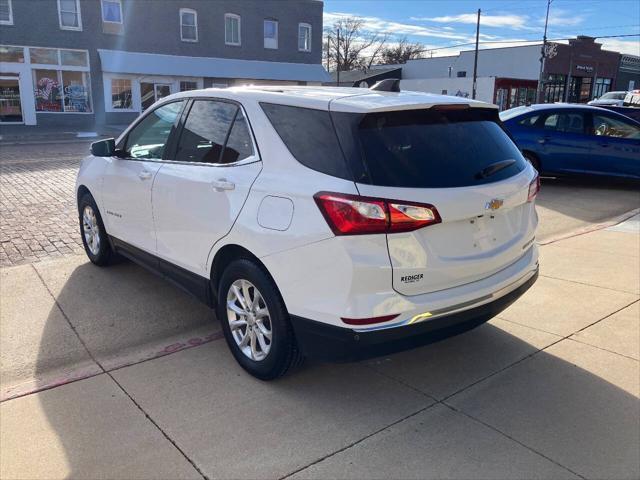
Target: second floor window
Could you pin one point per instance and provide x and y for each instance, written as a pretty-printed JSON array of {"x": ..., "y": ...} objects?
[
  {"x": 69, "y": 14},
  {"x": 112, "y": 11},
  {"x": 232, "y": 29},
  {"x": 188, "y": 25},
  {"x": 6, "y": 13},
  {"x": 270, "y": 34},
  {"x": 304, "y": 37}
]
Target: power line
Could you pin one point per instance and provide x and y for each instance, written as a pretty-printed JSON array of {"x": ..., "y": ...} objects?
[{"x": 521, "y": 41}]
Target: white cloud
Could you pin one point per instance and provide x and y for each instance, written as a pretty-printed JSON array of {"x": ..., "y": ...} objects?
[
  {"x": 515, "y": 22},
  {"x": 631, "y": 47},
  {"x": 380, "y": 25},
  {"x": 562, "y": 18}
]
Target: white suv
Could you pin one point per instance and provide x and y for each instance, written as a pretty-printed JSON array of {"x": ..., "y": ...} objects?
[{"x": 333, "y": 223}]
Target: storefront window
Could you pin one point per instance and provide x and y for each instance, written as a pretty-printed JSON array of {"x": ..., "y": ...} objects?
[
  {"x": 602, "y": 86},
  {"x": 47, "y": 91},
  {"x": 152, "y": 92},
  {"x": 76, "y": 92},
  {"x": 12, "y": 54},
  {"x": 186, "y": 86},
  {"x": 554, "y": 88},
  {"x": 62, "y": 91},
  {"x": 44, "y": 56},
  {"x": 74, "y": 58},
  {"x": 10, "y": 103},
  {"x": 121, "y": 94},
  {"x": 501, "y": 98}
]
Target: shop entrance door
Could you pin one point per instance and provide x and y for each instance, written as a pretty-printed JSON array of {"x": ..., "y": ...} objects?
[
  {"x": 580, "y": 89},
  {"x": 10, "y": 104}
]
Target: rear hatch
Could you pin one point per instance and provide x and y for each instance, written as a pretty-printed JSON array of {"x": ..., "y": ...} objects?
[{"x": 459, "y": 160}]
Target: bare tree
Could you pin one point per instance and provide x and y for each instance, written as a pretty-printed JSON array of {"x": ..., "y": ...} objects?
[
  {"x": 401, "y": 52},
  {"x": 349, "y": 47}
]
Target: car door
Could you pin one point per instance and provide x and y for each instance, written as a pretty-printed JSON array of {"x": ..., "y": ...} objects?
[
  {"x": 198, "y": 195},
  {"x": 564, "y": 143},
  {"x": 615, "y": 145},
  {"x": 128, "y": 177}
]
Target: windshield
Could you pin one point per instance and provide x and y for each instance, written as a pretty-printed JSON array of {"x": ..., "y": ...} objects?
[
  {"x": 513, "y": 112},
  {"x": 613, "y": 96},
  {"x": 428, "y": 148}
]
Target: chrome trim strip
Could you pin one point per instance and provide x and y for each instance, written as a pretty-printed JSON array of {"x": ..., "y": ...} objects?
[{"x": 460, "y": 307}]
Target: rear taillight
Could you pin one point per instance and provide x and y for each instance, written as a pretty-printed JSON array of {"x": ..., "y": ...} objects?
[
  {"x": 356, "y": 215},
  {"x": 534, "y": 188}
]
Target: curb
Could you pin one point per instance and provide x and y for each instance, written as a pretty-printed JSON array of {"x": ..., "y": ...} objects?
[{"x": 592, "y": 228}]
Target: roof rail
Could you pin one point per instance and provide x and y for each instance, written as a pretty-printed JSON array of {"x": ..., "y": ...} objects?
[{"x": 387, "y": 85}]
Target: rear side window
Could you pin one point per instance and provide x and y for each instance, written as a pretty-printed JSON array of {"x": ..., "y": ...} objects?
[
  {"x": 529, "y": 121},
  {"x": 428, "y": 148},
  {"x": 310, "y": 137},
  {"x": 568, "y": 122}
]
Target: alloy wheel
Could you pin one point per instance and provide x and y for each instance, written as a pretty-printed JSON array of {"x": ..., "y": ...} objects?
[
  {"x": 91, "y": 230},
  {"x": 249, "y": 320}
]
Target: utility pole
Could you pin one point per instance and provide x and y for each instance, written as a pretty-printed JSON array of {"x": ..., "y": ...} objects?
[
  {"x": 475, "y": 60},
  {"x": 543, "y": 55},
  {"x": 338, "y": 59}
]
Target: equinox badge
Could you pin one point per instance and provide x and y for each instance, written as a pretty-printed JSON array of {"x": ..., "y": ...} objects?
[{"x": 494, "y": 204}]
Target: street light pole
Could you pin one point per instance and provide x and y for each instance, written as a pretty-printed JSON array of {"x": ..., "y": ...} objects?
[
  {"x": 543, "y": 55},
  {"x": 475, "y": 60}
]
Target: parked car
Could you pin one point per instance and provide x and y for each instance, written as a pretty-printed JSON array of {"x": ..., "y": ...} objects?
[
  {"x": 326, "y": 222},
  {"x": 609, "y": 98},
  {"x": 576, "y": 139}
]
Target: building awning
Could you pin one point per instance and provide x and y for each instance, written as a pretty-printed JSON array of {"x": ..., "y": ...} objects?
[{"x": 116, "y": 61}]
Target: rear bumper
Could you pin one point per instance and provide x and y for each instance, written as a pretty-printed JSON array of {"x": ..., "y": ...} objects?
[{"x": 331, "y": 343}]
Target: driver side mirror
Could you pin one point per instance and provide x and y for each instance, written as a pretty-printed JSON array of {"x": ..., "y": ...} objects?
[{"x": 104, "y": 148}]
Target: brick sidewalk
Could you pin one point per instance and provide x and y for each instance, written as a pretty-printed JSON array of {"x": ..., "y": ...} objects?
[{"x": 37, "y": 207}]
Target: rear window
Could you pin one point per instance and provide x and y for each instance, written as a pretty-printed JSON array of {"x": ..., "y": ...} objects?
[{"x": 428, "y": 148}]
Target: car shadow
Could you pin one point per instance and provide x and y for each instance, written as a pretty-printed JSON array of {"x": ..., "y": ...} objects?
[
  {"x": 589, "y": 200},
  {"x": 120, "y": 309}
]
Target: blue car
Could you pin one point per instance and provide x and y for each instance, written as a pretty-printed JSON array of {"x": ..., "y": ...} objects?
[{"x": 565, "y": 139}]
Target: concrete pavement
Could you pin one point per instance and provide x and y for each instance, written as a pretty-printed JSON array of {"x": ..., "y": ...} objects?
[{"x": 549, "y": 389}]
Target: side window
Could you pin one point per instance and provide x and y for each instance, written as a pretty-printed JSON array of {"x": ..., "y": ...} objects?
[
  {"x": 205, "y": 131},
  {"x": 569, "y": 122},
  {"x": 149, "y": 138},
  {"x": 310, "y": 137},
  {"x": 239, "y": 144},
  {"x": 529, "y": 121},
  {"x": 604, "y": 125}
]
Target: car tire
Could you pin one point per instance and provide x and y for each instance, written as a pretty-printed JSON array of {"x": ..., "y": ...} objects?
[
  {"x": 255, "y": 321},
  {"x": 94, "y": 236},
  {"x": 533, "y": 160}
]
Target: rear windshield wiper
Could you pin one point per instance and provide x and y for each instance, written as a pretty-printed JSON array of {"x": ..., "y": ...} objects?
[{"x": 494, "y": 168}]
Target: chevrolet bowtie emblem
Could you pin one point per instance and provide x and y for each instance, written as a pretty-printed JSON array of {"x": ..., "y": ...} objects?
[{"x": 494, "y": 204}]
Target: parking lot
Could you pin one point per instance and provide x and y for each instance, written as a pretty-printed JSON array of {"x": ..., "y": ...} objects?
[{"x": 113, "y": 373}]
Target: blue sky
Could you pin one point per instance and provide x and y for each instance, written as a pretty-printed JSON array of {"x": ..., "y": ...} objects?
[{"x": 442, "y": 23}]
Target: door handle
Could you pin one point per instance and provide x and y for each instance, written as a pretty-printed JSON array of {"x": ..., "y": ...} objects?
[
  {"x": 543, "y": 140},
  {"x": 223, "y": 184},
  {"x": 144, "y": 175}
]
